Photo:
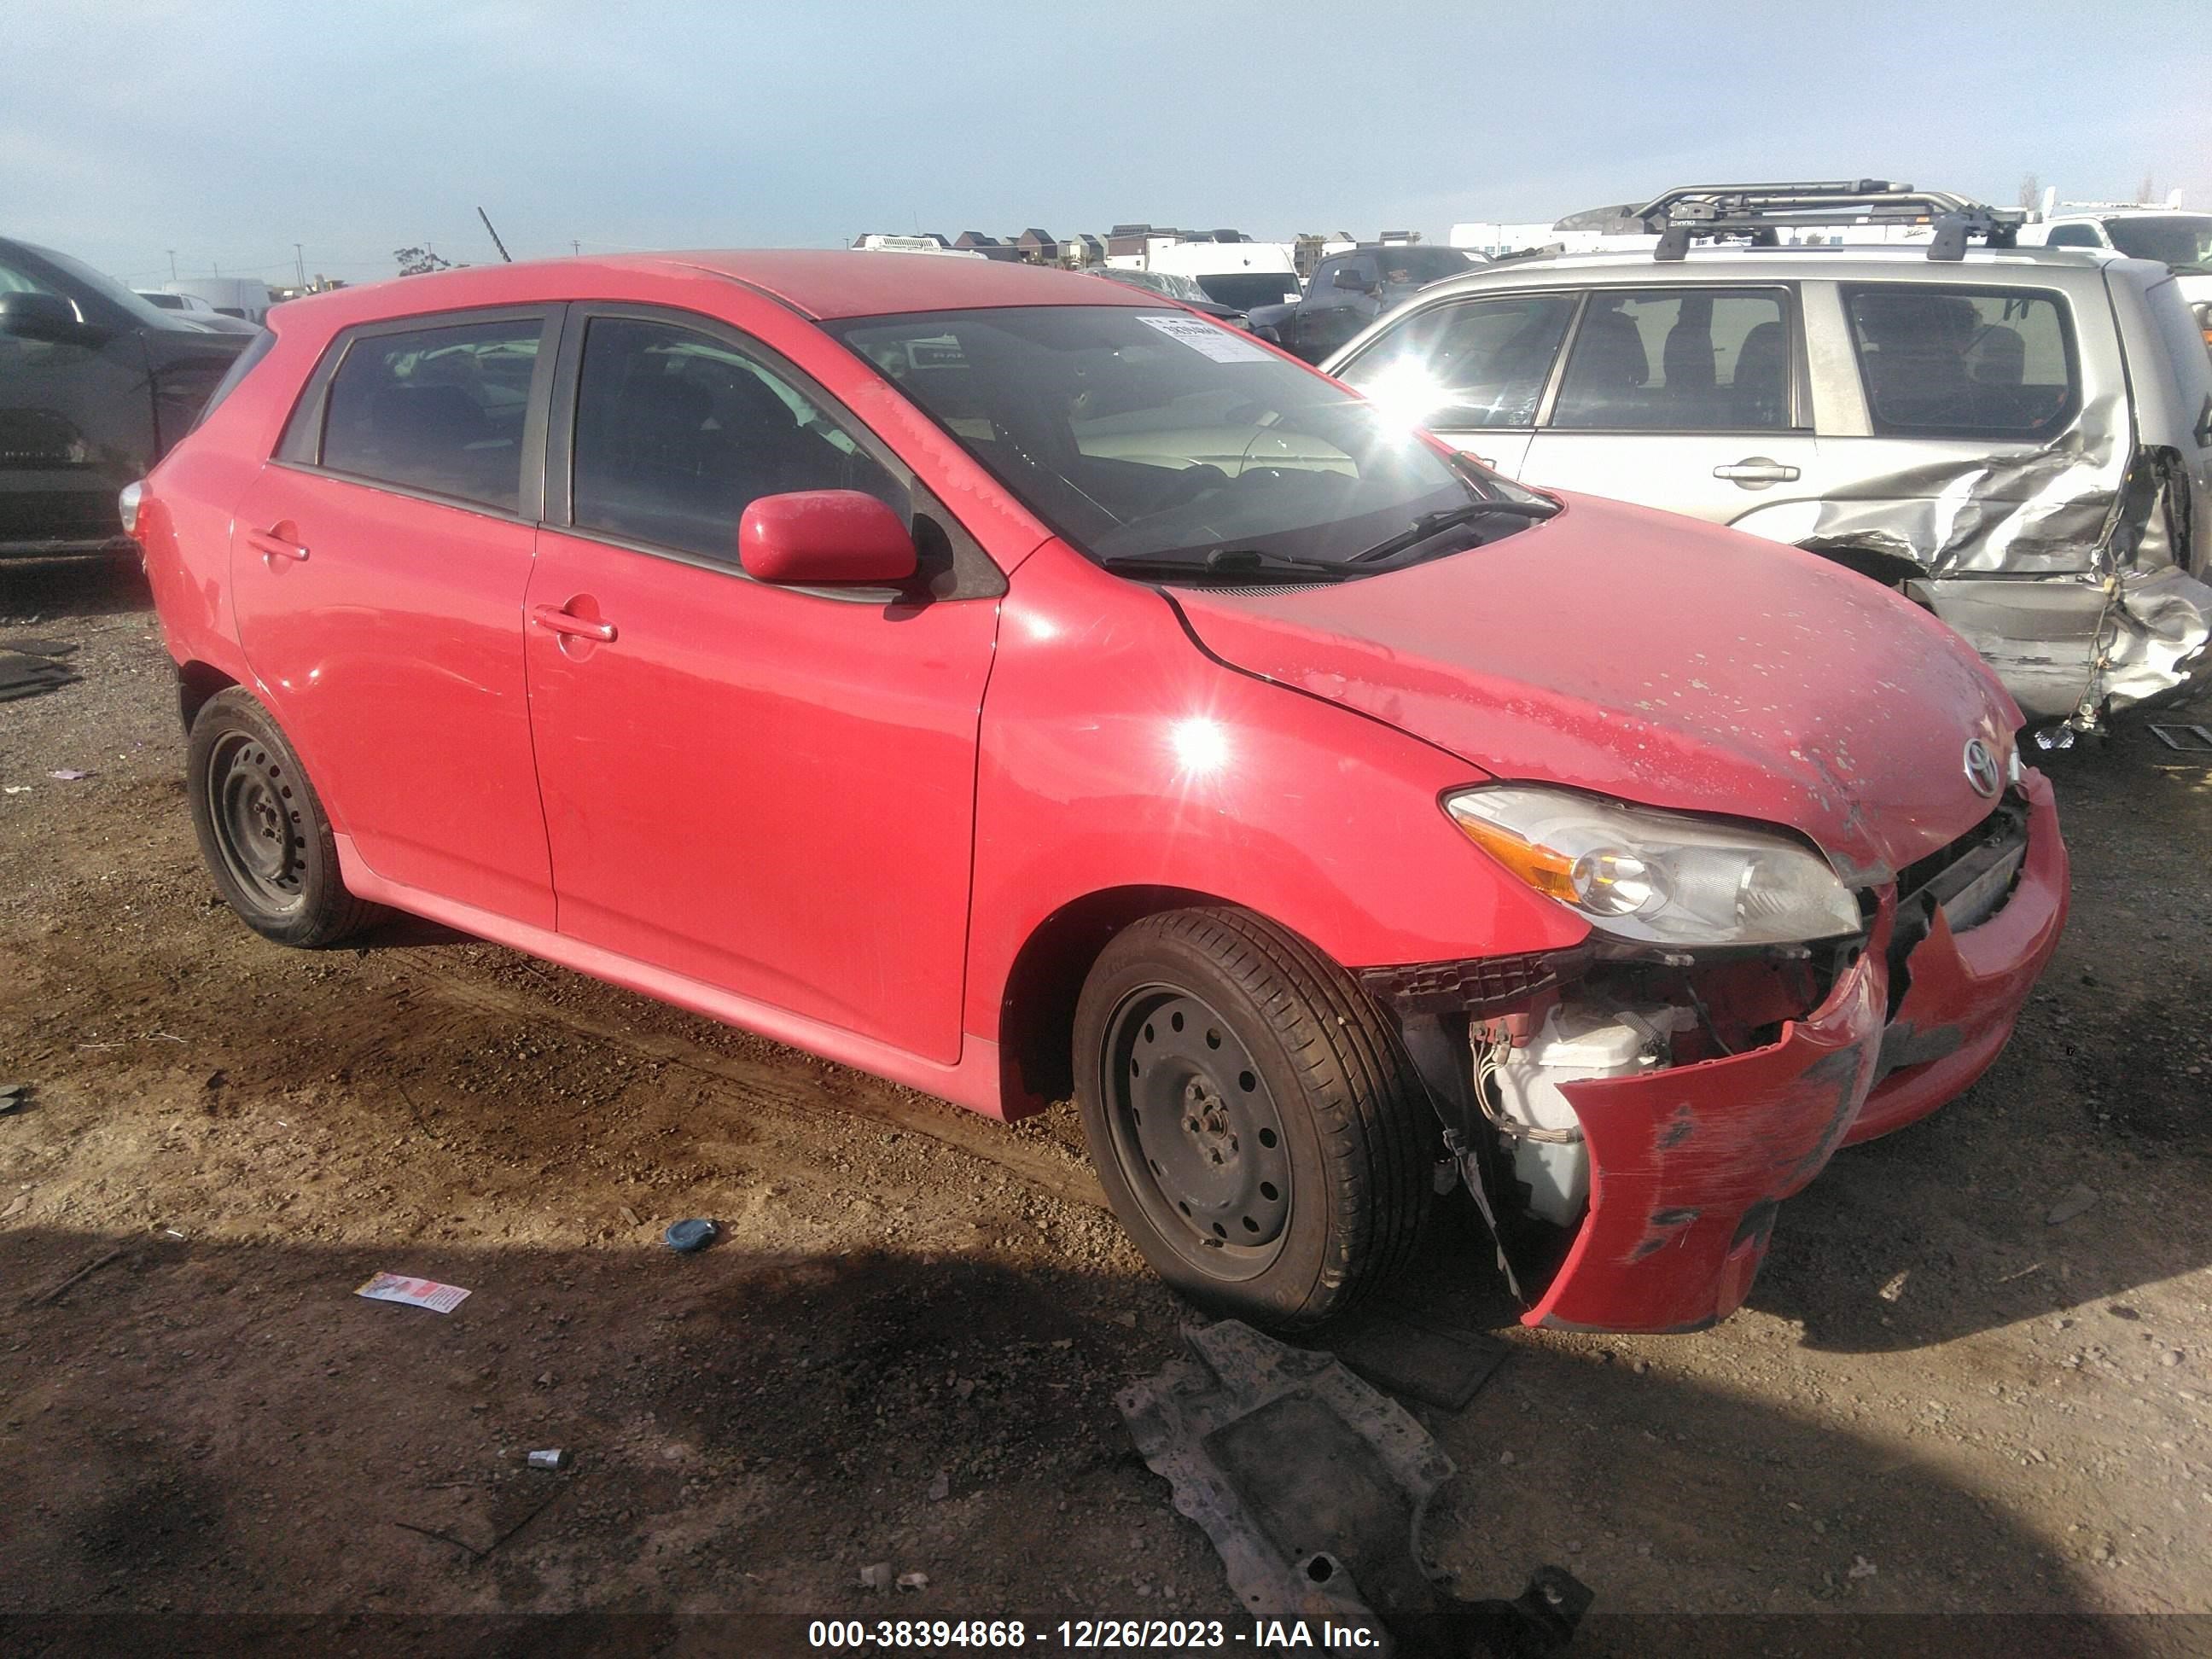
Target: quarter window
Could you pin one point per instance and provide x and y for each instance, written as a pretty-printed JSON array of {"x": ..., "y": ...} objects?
[
  {"x": 1475, "y": 363},
  {"x": 1963, "y": 362},
  {"x": 677, "y": 434},
  {"x": 438, "y": 410},
  {"x": 1678, "y": 360}
]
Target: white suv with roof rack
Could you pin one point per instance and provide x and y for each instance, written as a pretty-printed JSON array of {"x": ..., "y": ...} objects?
[{"x": 2020, "y": 439}]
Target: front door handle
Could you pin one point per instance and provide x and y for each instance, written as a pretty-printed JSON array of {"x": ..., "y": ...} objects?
[
  {"x": 1756, "y": 472},
  {"x": 276, "y": 543},
  {"x": 554, "y": 620}
]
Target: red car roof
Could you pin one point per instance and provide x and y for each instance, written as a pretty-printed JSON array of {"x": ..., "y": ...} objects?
[
  {"x": 835, "y": 283},
  {"x": 854, "y": 283}
]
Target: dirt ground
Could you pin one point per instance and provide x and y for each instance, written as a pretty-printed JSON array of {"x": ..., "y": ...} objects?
[{"x": 907, "y": 1346}]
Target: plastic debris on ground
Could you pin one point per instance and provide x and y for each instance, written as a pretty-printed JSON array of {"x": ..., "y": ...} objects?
[
  {"x": 1312, "y": 1487},
  {"x": 13, "y": 1094},
  {"x": 68, "y": 774},
  {"x": 686, "y": 1236},
  {"x": 415, "y": 1292},
  {"x": 2078, "y": 1200}
]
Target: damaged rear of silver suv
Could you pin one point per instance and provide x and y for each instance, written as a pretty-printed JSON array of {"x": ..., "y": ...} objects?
[{"x": 2019, "y": 439}]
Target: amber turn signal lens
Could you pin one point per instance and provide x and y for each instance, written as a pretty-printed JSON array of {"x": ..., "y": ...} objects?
[{"x": 1549, "y": 873}]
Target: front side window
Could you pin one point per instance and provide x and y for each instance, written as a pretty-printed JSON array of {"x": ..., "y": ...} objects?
[
  {"x": 676, "y": 434},
  {"x": 1941, "y": 361},
  {"x": 439, "y": 409},
  {"x": 1138, "y": 434},
  {"x": 1470, "y": 363},
  {"x": 13, "y": 280},
  {"x": 2074, "y": 236},
  {"x": 1678, "y": 360}
]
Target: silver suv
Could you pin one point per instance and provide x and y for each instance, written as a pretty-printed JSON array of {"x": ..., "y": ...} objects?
[{"x": 2020, "y": 439}]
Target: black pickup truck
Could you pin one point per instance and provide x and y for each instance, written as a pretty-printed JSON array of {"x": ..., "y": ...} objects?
[
  {"x": 1347, "y": 291},
  {"x": 95, "y": 385}
]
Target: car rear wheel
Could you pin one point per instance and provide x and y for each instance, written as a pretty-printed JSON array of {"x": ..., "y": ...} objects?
[
  {"x": 1251, "y": 1116},
  {"x": 261, "y": 828}
]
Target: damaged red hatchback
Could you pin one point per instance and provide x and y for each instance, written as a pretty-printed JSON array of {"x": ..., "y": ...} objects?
[{"x": 1007, "y": 684}]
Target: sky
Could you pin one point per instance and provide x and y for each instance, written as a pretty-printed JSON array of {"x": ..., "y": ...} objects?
[{"x": 226, "y": 132}]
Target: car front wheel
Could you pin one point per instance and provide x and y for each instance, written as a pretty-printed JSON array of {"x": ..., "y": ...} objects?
[{"x": 1252, "y": 1118}]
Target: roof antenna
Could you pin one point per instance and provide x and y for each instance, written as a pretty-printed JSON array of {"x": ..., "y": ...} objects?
[{"x": 495, "y": 242}]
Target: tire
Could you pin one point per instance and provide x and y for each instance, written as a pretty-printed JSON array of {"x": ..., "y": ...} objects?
[
  {"x": 263, "y": 830},
  {"x": 1251, "y": 1116}
]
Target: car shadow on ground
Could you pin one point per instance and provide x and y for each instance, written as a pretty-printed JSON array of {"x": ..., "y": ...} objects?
[
  {"x": 216, "y": 1426},
  {"x": 46, "y": 590}
]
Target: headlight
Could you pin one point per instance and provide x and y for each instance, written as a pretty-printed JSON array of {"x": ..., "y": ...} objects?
[{"x": 1657, "y": 876}]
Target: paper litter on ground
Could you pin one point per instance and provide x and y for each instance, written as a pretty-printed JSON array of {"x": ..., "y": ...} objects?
[{"x": 415, "y": 1293}]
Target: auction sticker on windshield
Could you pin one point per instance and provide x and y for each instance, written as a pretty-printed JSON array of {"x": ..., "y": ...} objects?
[{"x": 1218, "y": 343}]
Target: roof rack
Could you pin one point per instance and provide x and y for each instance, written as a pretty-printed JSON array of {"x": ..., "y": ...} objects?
[{"x": 1762, "y": 212}]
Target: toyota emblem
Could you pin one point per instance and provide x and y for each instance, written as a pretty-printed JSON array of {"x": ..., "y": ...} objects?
[{"x": 1982, "y": 769}]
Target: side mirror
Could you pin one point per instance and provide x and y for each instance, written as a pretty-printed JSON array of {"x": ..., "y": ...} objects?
[
  {"x": 1348, "y": 277},
  {"x": 824, "y": 538},
  {"x": 39, "y": 317}
]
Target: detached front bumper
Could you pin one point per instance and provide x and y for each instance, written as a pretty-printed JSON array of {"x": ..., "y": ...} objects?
[{"x": 1689, "y": 1164}]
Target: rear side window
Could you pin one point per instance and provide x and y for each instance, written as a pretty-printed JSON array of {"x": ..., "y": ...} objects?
[
  {"x": 677, "y": 434},
  {"x": 1472, "y": 363},
  {"x": 1678, "y": 360},
  {"x": 1959, "y": 362},
  {"x": 2074, "y": 236},
  {"x": 438, "y": 410}
]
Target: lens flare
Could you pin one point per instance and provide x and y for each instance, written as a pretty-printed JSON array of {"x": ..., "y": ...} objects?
[{"x": 1200, "y": 745}]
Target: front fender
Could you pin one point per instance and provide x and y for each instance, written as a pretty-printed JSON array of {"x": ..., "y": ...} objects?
[{"x": 1116, "y": 753}]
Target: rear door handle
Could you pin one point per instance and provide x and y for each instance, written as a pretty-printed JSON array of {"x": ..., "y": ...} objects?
[
  {"x": 272, "y": 547},
  {"x": 1757, "y": 470},
  {"x": 554, "y": 620}
]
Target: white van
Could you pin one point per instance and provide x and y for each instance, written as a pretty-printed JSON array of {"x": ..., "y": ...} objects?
[{"x": 233, "y": 296}]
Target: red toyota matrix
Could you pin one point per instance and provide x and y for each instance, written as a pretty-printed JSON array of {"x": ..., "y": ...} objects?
[{"x": 1008, "y": 683}]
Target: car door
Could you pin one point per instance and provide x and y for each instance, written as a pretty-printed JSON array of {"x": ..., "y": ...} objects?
[
  {"x": 1687, "y": 399},
  {"x": 767, "y": 790},
  {"x": 1472, "y": 370},
  {"x": 378, "y": 568}
]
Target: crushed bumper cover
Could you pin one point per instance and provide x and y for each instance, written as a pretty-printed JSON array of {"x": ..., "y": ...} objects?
[{"x": 1688, "y": 1165}]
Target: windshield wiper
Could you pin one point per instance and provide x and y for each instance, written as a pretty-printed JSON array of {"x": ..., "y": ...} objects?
[
  {"x": 1435, "y": 523},
  {"x": 1235, "y": 563}
]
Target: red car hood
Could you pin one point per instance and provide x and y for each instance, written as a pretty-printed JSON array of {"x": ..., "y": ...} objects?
[{"x": 1658, "y": 660}]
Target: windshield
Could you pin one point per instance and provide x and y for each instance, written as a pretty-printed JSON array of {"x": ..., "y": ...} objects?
[
  {"x": 2180, "y": 240},
  {"x": 1241, "y": 290},
  {"x": 1413, "y": 267},
  {"x": 1134, "y": 432},
  {"x": 1160, "y": 282},
  {"x": 145, "y": 315}
]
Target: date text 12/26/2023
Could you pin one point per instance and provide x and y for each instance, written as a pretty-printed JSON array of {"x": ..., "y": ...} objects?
[{"x": 1088, "y": 1635}]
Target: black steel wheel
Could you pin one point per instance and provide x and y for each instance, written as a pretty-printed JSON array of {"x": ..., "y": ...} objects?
[
  {"x": 261, "y": 828},
  {"x": 257, "y": 827},
  {"x": 1250, "y": 1117},
  {"x": 1196, "y": 1132}
]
